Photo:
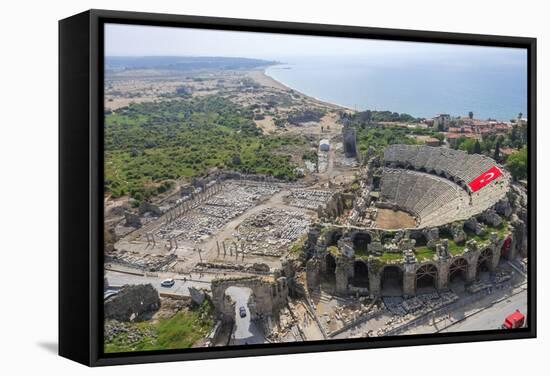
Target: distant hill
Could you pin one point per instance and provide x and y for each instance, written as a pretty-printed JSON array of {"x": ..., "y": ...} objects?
[{"x": 183, "y": 63}]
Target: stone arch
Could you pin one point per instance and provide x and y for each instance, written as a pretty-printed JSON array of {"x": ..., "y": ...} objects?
[
  {"x": 391, "y": 280},
  {"x": 484, "y": 261},
  {"x": 330, "y": 262},
  {"x": 360, "y": 274},
  {"x": 458, "y": 270},
  {"x": 333, "y": 236},
  {"x": 420, "y": 238},
  {"x": 426, "y": 275},
  {"x": 361, "y": 240},
  {"x": 445, "y": 232}
]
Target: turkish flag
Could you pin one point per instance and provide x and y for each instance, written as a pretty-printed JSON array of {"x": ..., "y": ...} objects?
[{"x": 485, "y": 178}]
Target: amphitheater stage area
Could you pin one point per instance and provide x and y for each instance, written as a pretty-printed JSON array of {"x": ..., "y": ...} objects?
[{"x": 390, "y": 219}]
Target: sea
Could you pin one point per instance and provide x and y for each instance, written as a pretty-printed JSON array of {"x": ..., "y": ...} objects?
[{"x": 492, "y": 85}]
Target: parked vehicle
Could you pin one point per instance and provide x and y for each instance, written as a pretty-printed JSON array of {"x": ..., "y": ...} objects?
[
  {"x": 168, "y": 282},
  {"x": 514, "y": 320},
  {"x": 242, "y": 311}
]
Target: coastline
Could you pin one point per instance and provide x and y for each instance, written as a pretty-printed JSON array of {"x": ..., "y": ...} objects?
[
  {"x": 265, "y": 79},
  {"x": 274, "y": 82}
]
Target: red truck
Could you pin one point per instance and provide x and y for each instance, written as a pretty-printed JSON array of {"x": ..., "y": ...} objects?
[{"x": 514, "y": 320}]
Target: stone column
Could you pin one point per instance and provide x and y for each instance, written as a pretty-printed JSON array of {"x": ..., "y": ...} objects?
[
  {"x": 374, "y": 283},
  {"x": 313, "y": 276},
  {"x": 495, "y": 258},
  {"x": 342, "y": 275},
  {"x": 409, "y": 279},
  {"x": 496, "y": 246},
  {"x": 512, "y": 252},
  {"x": 442, "y": 281},
  {"x": 471, "y": 272}
]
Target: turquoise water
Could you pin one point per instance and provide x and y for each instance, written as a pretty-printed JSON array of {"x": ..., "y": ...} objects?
[{"x": 492, "y": 85}]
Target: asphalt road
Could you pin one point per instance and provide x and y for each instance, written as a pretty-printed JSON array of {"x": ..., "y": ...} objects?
[
  {"x": 179, "y": 288},
  {"x": 245, "y": 330},
  {"x": 492, "y": 317}
]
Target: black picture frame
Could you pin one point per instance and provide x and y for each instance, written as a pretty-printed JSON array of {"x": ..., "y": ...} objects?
[{"x": 81, "y": 185}]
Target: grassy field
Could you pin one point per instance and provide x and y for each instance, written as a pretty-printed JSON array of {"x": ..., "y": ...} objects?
[
  {"x": 424, "y": 253},
  {"x": 180, "y": 331},
  {"x": 391, "y": 256}
]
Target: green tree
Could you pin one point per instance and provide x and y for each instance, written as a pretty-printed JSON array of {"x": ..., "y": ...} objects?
[
  {"x": 517, "y": 164},
  {"x": 477, "y": 147},
  {"x": 471, "y": 115},
  {"x": 496, "y": 155}
]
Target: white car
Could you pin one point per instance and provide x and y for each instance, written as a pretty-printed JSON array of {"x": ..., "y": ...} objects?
[{"x": 168, "y": 282}]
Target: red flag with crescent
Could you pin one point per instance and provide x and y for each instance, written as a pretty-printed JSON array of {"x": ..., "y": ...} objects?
[{"x": 485, "y": 178}]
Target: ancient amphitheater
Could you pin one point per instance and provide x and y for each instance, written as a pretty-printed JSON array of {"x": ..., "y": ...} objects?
[
  {"x": 431, "y": 183},
  {"x": 468, "y": 216}
]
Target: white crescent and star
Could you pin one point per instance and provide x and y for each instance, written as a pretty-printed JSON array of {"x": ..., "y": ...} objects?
[{"x": 487, "y": 176}]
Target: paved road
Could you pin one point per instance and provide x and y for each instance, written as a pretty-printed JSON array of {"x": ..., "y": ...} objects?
[
  {"x": 492, "y": 317},
  {"x": 179, "y": 288},
  {"x": 245, "y": 330}
]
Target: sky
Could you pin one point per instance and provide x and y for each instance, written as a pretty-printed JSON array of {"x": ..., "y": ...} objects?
[{"x": 137, "y": 40}]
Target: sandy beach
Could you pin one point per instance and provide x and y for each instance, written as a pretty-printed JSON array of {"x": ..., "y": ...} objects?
[{"x": 261, "y": 76}]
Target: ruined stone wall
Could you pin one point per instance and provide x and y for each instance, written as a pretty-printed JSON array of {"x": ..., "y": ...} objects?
[
  {"x": 349, "y": 141},
  {"x": 268, "y": 295},
  {"x": 132, "y": 303}
]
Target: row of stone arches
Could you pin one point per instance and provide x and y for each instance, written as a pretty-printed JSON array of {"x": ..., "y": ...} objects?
[
  {"x": 426, "y": 275},
  {"x": 359, "y": 239}
]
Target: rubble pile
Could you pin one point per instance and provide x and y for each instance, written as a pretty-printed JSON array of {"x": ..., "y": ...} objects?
[
  {"x": 271, "y": 231},
  {"x": 309, "y": 199},
  {"x": 250, "y": 268},
  {"x": 287, "y": 329},
  {"x": 347, "y": 162},
  {"x": 143, "y": 261},
  {"x": 420, "y": 304},
  {"x": 352, "y": 312},
  {"x": 127, "y": 334},
  {"x": 501, "y": 276}
]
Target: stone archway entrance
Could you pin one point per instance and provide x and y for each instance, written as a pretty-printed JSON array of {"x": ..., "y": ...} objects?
[
  {"x": 361, "y": 240},
  {"x": 391, "y": 282},
  {"x": 484, "y": 263},
  {"x": 360, "y": 274},
  {"x": 330, "y": 264},
  {"x": 426, "y": 277},
  {"x": 333, "y": 237},
  {"x": 420, "y": 239},
  {"x": 458, "y": 270}
]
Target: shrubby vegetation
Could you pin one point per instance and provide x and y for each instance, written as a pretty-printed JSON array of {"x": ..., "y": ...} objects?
[
  {"x": 469, "y": 145},
  {"x": 149, "y": 145},
  {"x": 299, "y": 117},
  {"x": 369, "y": 116},
  {"x": 180, "y": 331},
  {"x": 371, "y": 134},
  {"x": 379, "y": 137},
  {"x": 517, "y": 164}
]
